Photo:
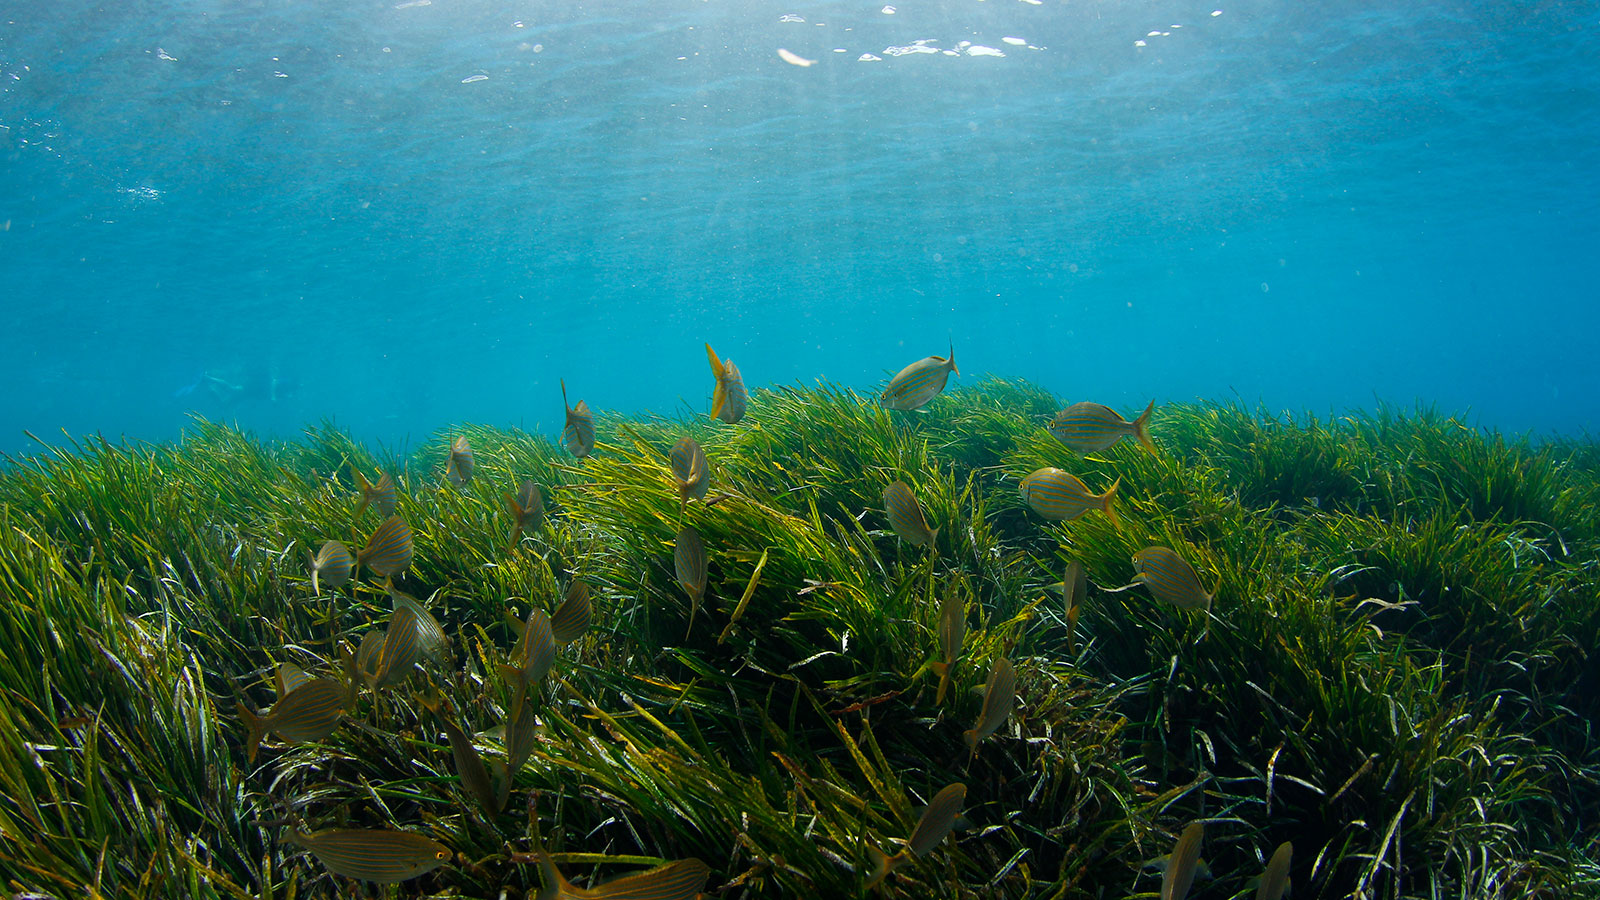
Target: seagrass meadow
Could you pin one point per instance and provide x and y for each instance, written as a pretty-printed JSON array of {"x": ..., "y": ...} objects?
[{"x": 1396, "y": 672}]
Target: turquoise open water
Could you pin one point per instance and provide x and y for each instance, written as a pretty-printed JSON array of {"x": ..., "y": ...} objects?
[{"x": 401, "y": 215}]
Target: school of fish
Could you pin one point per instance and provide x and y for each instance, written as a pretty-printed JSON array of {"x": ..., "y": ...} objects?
[{"x": 312, "y": 707}]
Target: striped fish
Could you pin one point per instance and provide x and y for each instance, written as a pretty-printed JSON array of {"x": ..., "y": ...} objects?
[
  {"x": 383, "y": 857},
  {"x": 572, "y": 618},
  {"x": 690, "y": 471},
  {"x": 521, "y": 730},
  {"x": 952, "y": 634},
  {"x": 382, "y": 495},
  {"x": 1175, "y": 881},
  {"x": 919, "y": 382},
  {"x": 531, "y": 659},
  {"x": 1091, "y": 427},
  {"x": 1060, "y": 497},
  {"x": 935, "y": 823},
  {"x": 905, "y": 515},
  {"x": 460, "y": 465},
  {"x": 527, "y": 510},
  {"x": 689, "y": 562},
  {"x": 728, "y": 398},
  {"x": 309, "y": 712},
  {"x": 367, "y": 656},
  {"x": 1170, "y": 578},
  {"x": 1275, "y": 880},
  {"x": 1074, "y": 587},
  {"x": 999, "y": 695},
  {"x": 578, "y": 433},
  {"x": 333, "y": 564},
  {"x": 430, "y": 635},
  {"x": 469, "y": 765},
  {"x": 678, "y": 880},
  {"x": 401, "y": 648},
  {"x": 388, "y": 551},
  {"x": 288, "y": 677}
]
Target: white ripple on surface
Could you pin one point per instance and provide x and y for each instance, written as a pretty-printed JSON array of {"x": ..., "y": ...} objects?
[
  {"x": 471, "y": 78},
  {"x": 980, "y": 50},
  {"x": 1015, "y": 41}
]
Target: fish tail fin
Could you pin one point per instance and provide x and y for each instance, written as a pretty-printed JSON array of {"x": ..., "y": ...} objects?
[
  {"x": 972, "y": 739},
  {"x": 256, "y": 730},
  {"x": 952, "y": 357},
  {"x": 1141, "y": 428},
  {"x": 311, "y": 563},
  {"x": 943, "y": 671},
  {"x": 719, "y": 394},
  {"x": 1108, "y": 503},
  {"x": 882, "y": 865},
  {"x": 518, "y": 693},
  {"x": 555, "y": 886}
]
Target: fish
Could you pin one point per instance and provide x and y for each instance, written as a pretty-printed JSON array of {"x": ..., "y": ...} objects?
[
  {"x": 309, "y": 712},
  {"x": 1275, "y": 879},
  {"x": 905, "y": 515},
  {"x": 458, "y": 469},
  {"x": 690, "y": 471},
  {"x": 531, "y": 659},
  {"x": 527, "y": 510},
  {"x": 1074, "y": 587},
  {"x": 578, "y": 433},
  {"x": 520, "y": 733},
  {"x": 369, "y": 854},
  {"x": 952, "y": 633},
  {"x": 938, "y": 817},
  {"x": 430, "y": 635},
  {"x": 1170, "y": 578},
  {"x": 401, "y": 648},
  {"x": 1060, "y": 497},
  {"x": 367, "y": 655},
  {"x": 999, "y": 695},
  {"x": 469, "y": 765},
  {"x": 382, "y": 495},
  {"x": 573, "y": 616},
  {"x": 681, "y": 879},
  {"x": 1091, "y": 427},
  {"x": 333, "y": 564},
  {"x": 689, "y": 561},
  {"x": 288, "y": 677},
  {"x": 388, "y": 551},
  {"x": 1181, "y": 864},
  {"x": 728, "y": 398},
  {"x": 920, "y": 382}
]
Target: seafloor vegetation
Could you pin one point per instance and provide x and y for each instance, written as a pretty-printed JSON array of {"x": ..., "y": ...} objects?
[{"x": 1397, "y": 672}]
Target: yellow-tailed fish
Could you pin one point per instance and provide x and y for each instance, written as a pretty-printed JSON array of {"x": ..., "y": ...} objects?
[
  {"x": 689, "y": 560},
  {"x": 690, "y": 471},
  {"x": 333, "y": 564},
  {"x": 681, "y": 879},
  {"x": 521, "y": 731},
  {"x": 469, "y": 765},
  {"x": 1275, "y": 880},
  {"x": 1181, "y": 864},
  {"x": 952, "y": 634},
  {"x": 1170, "y": 578},
  {"x": 367, "y": 656},
  {"x": 578, "y": 433},
  {"x": 527, "y": 510},
  {"x": 288, "y": 677},
  {"x": 573, "y": 616},
  {"x": 728, "y": 398},
  {"x": 383, "y": 857},
  {"x": 905, "y": 515},
  {"x": 937, "y": 819},
  {"x": 999, "y": 694},
  {"x": 382, "y": 495},
  {"x": 401, "y": 648},
  {"x": 531, "y": 659},
  {"x": 1074, "y": 587},
  {"x": 388, "y": 551},
  {"x": 430, "y": 635},
  {"x": 460, "y": 465},
  {"x": 310, "y": 712},
  {"x": 919, "y": 382},
  {"x": 1059, "y": 496},
  {"x": 1091, "y": 427}
]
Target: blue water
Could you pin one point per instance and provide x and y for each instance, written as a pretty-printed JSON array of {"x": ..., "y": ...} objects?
[{"x": 276, "y": 212}]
